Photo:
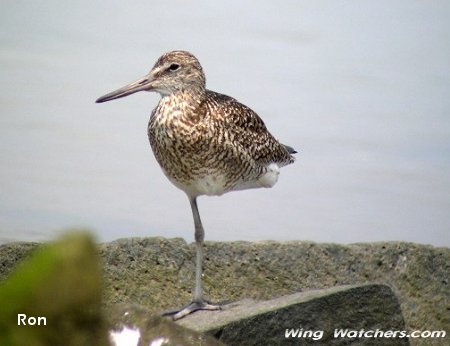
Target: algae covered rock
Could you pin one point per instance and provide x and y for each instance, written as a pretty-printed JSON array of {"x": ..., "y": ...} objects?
[{"x": 54, "y": 297}]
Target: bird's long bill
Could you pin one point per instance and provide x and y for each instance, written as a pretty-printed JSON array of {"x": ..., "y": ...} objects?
[{"x": 144, "y": 83}]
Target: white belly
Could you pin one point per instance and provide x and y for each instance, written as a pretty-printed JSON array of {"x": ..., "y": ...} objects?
[{"x": 216, "y": 184}]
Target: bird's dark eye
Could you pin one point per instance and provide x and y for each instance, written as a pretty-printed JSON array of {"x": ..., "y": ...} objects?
[{"x": 174, "y": 67}]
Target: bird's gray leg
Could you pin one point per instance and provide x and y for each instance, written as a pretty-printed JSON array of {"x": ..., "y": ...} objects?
[
  {"x": 199, "y": 238},
  {"x": 198, "y": 302}
]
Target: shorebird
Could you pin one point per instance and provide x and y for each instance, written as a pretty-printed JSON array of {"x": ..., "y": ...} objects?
[{"x": 205, "y": 142}]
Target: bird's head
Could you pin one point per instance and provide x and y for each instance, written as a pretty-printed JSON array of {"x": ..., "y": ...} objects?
[{"x": 176, "y": 71}]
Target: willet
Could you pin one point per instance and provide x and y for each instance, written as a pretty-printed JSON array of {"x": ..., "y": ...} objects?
[{"x": 206, "y": 143}]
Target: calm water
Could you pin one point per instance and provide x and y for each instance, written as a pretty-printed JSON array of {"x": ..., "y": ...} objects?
[{"x": 360, "y": 89}]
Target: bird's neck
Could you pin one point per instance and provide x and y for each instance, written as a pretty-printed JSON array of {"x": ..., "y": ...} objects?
[
  {"x": 179, "y": 105},
  {"x": 185, "y": 99}
]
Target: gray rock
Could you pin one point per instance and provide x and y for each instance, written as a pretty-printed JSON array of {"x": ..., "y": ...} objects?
[
  {"x": 317, "y": 313},
  {"x": 158, "y": 273}
]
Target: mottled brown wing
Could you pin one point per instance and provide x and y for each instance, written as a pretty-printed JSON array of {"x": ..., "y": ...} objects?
[{"x": 248, "y": 129}]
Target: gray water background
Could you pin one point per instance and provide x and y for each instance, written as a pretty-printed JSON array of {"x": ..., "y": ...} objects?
[{"x": 360, "y": 88}]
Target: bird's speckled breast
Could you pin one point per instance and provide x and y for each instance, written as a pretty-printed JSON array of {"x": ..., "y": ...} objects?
[{"x": 185, "y": 145}]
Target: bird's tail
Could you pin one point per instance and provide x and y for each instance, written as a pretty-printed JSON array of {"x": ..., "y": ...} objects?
[{"x": 289, "y": 149}]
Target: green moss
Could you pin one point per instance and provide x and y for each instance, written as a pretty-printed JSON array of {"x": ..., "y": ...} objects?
[{"x": 60, "y": 282}]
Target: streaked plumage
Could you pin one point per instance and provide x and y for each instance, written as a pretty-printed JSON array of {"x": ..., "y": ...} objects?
[
  {"x": 212, "y": 144},
  {"x": 205, "y": 142}
]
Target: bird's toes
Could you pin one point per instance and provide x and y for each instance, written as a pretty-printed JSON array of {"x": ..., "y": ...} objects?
[{"x": 190, "y": 308}]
